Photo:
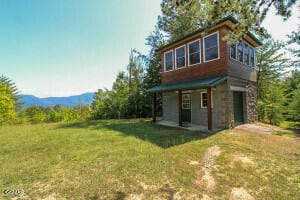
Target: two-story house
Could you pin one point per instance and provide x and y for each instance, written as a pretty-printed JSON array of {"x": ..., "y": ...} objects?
[{"x": 208, "y": 82}]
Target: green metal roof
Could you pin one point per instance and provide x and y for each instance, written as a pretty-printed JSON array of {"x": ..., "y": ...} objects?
[
  {"x": 229, "y": 18},
  {"x": 192, "y": 84}
]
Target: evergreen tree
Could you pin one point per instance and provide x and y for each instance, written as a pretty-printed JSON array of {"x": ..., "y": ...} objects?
[
  {"x": 9, "y": 100},
  {"x": 272, "y": 66},
  {"x": 294, "y": 106},
  {"x": 179, "y": 18}
]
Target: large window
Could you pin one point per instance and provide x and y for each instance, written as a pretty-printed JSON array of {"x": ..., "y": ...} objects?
[
  {"x": 194, "y": 52},
  {"x": 180, "y": 57},
  {"x": 243, "y": 52},
  {"x": 211, "y": 47},
  {"x": 252, "y": 57},
  {"x": 246, "y": 54},
  {"x": 169, "y": 61},
  {"x": 240, "y": 48},
  {"x": 233, "y": 51}
]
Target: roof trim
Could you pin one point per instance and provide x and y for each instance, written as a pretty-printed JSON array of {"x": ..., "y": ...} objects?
[
  {"x": 228, "y": 18},
  {"x": 207, "y": 82}
]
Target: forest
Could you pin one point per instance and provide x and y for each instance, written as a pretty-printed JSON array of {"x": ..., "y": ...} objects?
[{"x": 277, "y": 64}]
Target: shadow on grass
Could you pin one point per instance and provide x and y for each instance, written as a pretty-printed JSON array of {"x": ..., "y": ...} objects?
[{"x": 161, "y": 136}]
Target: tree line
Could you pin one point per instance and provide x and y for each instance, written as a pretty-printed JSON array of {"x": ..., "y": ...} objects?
[{"x": 278, "y": 76}]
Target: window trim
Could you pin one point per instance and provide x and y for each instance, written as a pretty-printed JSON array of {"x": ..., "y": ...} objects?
[
  {"x": 184, "y": 57},
  {"x": 201, "y": 99},
  {"x": 165, "y": 61},
  {"x": 199, "y": 40},
  {"x": 217, "y": 32}
]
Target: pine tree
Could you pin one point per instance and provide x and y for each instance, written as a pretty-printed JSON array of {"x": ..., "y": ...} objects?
[{"x": 9, "y": 100}]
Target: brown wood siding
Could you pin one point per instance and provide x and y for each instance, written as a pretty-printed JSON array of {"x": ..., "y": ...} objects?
[{"x": 204, "y": 69}]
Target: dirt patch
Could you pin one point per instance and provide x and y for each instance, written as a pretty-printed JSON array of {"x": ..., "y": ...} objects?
[
  {"x": 193, "y": 162},
  {"x": 53, "y": 196},
  {"x": 205, "y": 197},
  {"x": 240, "y": 194},
  {"x": 207, "y": 180},
  {"x": 135, "y": 197},
  {"x": 244, "y": 159},
  {"x": 255, "y": 129}
]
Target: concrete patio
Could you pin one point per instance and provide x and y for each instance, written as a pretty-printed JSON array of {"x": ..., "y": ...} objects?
[{"x": 190, "y": 127}]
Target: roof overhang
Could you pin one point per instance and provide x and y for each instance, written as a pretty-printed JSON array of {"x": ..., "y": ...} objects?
[{"x": 187, "y": 85}]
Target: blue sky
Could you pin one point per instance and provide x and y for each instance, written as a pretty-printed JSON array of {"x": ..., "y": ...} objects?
[{"x": 67, "y": 47}]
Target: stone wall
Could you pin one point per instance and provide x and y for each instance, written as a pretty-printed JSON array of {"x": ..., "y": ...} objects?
[
  {"x": 250, "y": 99},
  {"x": 252, "y": 115}
]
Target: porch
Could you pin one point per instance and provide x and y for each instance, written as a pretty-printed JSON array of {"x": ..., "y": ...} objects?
[{"x": 180, "y": 109}]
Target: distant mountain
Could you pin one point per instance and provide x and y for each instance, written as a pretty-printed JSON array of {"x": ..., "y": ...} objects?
[{"x": 85, "y": 98}]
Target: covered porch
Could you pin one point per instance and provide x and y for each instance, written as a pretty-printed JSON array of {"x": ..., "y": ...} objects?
[{"x": 181, "y": 98}]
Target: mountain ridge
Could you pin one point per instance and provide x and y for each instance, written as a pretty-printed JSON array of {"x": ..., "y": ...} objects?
[{"x": 69, "y": 101}]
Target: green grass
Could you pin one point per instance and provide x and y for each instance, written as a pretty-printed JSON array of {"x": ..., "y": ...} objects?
[{"x": 123, "y": 159}]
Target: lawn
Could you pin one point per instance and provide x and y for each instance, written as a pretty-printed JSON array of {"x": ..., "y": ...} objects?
[{"x": 133, "y": 159}]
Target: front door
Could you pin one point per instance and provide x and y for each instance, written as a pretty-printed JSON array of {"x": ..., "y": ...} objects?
[
  {"x": 186, "y": 108},
  {"x": 238, "y": 107}
]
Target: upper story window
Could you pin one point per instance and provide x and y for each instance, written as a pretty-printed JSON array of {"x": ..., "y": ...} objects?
[
  {"x": 240, "y": 51},
  {"x": 211, "y": 47},
  {"x": 243, "y": 52},
  {"x": 252, "y": 57},
  {"x": 169, "y": 60},
  {"x": 246, "y": 54},
  {"x": 194, "y": 52},
  {"x": 180, "y": 57},
  {"x": 233, "y": 51}
]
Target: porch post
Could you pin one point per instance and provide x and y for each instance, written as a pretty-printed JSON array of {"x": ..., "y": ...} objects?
[
  {"x": 209, "y": 113},
  {"x": 154, "y": 108},
  {"x": 180, "y": 108}
]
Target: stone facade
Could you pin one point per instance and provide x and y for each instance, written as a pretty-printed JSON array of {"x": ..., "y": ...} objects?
[{"x": 252, "y": 104}]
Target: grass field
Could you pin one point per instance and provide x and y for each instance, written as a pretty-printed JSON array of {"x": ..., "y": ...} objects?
[{"x": 132, "y": 159}]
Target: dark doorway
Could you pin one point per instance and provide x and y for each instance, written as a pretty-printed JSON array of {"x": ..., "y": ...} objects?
[
  {"x": 186, "y": 108},
  {"x": 238, "y": 107}
]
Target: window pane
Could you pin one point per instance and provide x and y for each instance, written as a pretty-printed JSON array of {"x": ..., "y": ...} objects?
[
  {"x": 180, "y": 52},
  {"x": 246, "y": 54},
  {"x": 194, "y": 58},
  {"x": 180, "y": 57},
  {"x": 211, "y": 53},
  {"x": 211, "y": 41},
  {"x": 204, "y": 100},
  {"x": 252, "y": 57},
  {"x": 194, "y": 47},
  {"x": 194, "y": 53},
  {"x": 180, "y": 62},
  {"x": 211, "y": 47},
  {"x": 240, "y": 51},
  {"x": 169, "y": 61},
  {"x": 233, "y": 51}
]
